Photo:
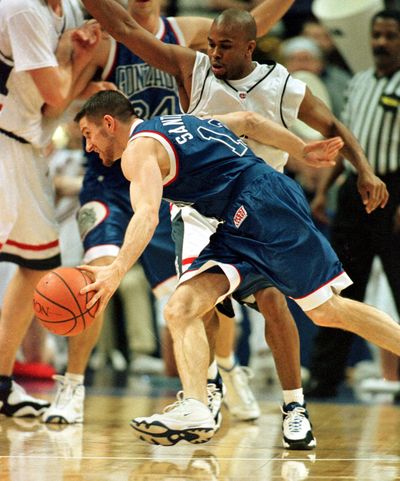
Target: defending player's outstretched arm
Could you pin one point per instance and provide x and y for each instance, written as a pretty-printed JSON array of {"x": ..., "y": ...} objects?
[
  {"x": 174, "y": 59},
  {"x": 256, "y": 127}
]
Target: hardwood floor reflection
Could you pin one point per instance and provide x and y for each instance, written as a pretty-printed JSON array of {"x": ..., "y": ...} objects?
[{"x": 355, "y": 442}]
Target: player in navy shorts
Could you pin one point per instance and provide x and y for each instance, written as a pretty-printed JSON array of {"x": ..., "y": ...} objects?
[
  {"x": 105, "y": 195},
  {"x": 265, "y": 226}
]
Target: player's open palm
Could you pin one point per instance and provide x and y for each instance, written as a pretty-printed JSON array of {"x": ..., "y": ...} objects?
[{"x": 322, "y": 153}]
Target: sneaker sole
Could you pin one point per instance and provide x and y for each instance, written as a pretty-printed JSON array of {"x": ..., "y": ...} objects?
[
  {"x": 23, "y": 412},
  {"x": 300, "y": 445},
  {"x": 57, "y": 419},
  {"x": 159, "y": 434}
]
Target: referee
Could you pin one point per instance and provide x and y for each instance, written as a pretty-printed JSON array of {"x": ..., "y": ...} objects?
[{"x": 372, "y": 113}]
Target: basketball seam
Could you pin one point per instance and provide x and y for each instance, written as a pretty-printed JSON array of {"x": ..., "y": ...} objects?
[{"x": 73, "y": 295}]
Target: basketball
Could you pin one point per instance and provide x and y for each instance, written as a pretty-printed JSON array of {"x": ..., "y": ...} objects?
[{"x": 59, "y": 306}]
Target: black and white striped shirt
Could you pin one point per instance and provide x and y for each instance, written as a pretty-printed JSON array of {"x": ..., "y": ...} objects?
[{"x": 372, "y": 113}]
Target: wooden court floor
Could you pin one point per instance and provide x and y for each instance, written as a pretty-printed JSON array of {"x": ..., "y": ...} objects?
[{"x": 355, "y": 442}]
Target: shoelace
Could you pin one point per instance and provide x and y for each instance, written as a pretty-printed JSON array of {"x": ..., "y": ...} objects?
[
  {"x": 65, "y": 391},
  {"x": 214, "y": 396},
  {"x": 295, "y": 418},
  {"x": 179, "y": 403}
]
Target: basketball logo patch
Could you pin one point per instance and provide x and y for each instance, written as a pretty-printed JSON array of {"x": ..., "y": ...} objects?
[
  {"x": 240, "y": 216},
  {"x": 91, "y": 215}
]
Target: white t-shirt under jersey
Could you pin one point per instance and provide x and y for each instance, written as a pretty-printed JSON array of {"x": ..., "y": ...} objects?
[
  {"x": 29, "y": 34},
  {"x": 268, "y": 90}
]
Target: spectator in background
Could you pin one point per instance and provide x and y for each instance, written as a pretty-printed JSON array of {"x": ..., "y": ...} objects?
[
  {"x": 314, "y": 30},
  {"x": 302, "y": 53},
  {"x": 372, "y": 113}
]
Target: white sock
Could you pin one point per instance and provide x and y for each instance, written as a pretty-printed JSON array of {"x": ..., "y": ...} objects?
[
  {"x": 293, "y": 396},
  {"x": 212, "y": 370},
  {"x": 74, "y": 378},
  {"x": 226, "y": 363}
]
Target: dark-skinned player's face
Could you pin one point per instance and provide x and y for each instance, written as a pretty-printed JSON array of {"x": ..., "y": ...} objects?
[{"x": 229, "y": 52}]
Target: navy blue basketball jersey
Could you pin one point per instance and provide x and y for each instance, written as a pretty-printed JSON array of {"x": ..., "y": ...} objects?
[
  {"x": 151, "y": 91},
  {"x": 207, "y": 161}
]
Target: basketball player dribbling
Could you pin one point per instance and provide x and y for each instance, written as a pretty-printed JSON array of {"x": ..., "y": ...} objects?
[
  {"x": 228, "y": 79},
  {"x": 105, "y": 190}
]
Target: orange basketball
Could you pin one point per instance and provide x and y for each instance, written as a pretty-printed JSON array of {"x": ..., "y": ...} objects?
[{"x": 59, "y": 306}]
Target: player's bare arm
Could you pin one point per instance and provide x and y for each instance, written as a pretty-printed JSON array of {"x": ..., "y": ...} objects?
[
  {"x": 140, "y": 164},
  {"x": 79, "y": 54},
  {"x": 58, "y": 85},
  {"x": 317, "y": 115},
  {"x": 266, "y": 14},
  {"x": 255, "y": 126},
  {"x": 174, "y": 59}
]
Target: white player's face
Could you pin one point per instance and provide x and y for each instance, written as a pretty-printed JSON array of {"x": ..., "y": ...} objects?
[
  {"x": 143, "y": 7},
  {"x": 99, "y": 140}
]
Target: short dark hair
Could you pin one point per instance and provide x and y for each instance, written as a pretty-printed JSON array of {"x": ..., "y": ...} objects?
[
  {"x": 387, "y": 14},
  {"x": 238, "y": 20},
  {"x": 109, "y": 102}
]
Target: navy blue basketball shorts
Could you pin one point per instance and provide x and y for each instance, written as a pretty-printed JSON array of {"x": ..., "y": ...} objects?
[
  {"x": 103, "y": 219},
  {"x": 268, "y": 231}
]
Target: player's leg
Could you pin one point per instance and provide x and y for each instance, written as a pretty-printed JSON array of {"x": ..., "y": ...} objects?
[
  {"x": 191, "y": 233},
  {"x": 30, "y": 240},
  {"x": 189, "y": 418},
  {"x": 102, "y": 221},
  {"x": 282, "y": 337},
  {"x": 68, "y": 405},
  {"x": 366, "y": 321},
  {"x": 158, "y": 262},
  {"x": 239, "y": 397},
  {"x": 16, "y": 316}
]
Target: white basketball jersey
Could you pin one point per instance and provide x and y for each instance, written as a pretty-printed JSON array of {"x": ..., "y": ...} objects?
[
  {"x": 268, "y": 90},
  {"x": 29, "y": 34}
]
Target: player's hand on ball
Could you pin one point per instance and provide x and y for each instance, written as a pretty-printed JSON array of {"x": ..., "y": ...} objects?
[
  {"x": 106, "y": 282},
  {"x": 322, "y": 153}
]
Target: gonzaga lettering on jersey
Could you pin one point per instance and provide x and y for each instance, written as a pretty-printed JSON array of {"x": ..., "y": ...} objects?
[{"x": 150, "y": 91}]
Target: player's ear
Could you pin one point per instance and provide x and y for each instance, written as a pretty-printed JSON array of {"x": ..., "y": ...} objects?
[
  {"x": 251, "y": 46},
  {"x": 109, "y": 122}
]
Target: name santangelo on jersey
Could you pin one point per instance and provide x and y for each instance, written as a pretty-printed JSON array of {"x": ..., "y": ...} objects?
[
  {"x": 176, "y": 127},
  {"x": 133, "y": 79}
]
